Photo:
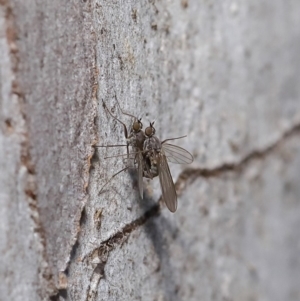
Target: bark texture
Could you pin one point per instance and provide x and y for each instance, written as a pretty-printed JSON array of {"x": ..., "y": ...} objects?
[{"x": 224, "y": 72}]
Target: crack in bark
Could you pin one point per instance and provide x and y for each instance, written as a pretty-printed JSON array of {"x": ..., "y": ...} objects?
[
  {"x": 99, "y": 256},
  {"x": 193, "y": 173},
  {"x": 82, "y": 215},
  {"x": 94, "y": 97},
  {"x": 101, "y": 253}
]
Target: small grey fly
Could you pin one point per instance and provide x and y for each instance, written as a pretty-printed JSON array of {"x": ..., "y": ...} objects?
[
  {"x": 136, "y": 140},
  {"x": 156, "y": 155}
]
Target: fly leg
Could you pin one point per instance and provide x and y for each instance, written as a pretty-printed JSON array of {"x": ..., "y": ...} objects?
[
  {"x": 124, "y": 125},
  {"x": 112, "y": 178}
]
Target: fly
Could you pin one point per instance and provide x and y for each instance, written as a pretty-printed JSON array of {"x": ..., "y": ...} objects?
[
  {"x": 156, "y": 156},
  {"x": 136, "y": 140}
]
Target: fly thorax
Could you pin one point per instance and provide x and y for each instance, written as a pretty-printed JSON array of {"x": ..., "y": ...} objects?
[
  {"x": 139, "y": 139},
  {"x": 152, "y": 143}
]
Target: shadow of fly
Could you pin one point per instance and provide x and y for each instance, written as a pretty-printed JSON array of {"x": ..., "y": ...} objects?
[{"x": 151, "y": 157}]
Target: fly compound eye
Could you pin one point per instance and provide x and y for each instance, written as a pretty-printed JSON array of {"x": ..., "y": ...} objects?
[
  {"x": 137, "y": 126},
  {"x": 149, "y": 131}
]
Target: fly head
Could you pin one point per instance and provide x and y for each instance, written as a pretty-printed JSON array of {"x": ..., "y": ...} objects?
[{"x": 150, "y": 130}]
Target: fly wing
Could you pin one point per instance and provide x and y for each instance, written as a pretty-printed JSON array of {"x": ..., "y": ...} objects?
[
  {"x": 166, "y": 182},
  {"x": 140, "y": 172},
  {"x": 176, "y": 154}
]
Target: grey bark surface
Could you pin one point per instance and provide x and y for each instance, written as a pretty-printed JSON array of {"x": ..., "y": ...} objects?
[{"x": 226, "y": 73}]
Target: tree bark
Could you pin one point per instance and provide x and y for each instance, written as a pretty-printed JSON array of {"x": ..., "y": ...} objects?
[{"x": 226, "y": 74}]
